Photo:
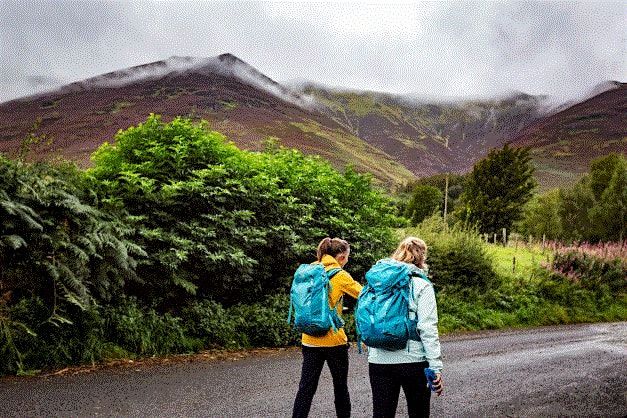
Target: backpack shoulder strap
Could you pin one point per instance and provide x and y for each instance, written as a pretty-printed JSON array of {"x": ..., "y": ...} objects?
[
  {"x": 416, "y": 273},
  {"x": 419, "y": 273},
  {"x": 333, "y": 272},
  {"x": 330, "y": 274}
]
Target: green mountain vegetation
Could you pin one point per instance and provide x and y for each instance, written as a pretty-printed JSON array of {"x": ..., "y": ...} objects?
[
  {"x": 428, "y": 136},
  {"x": 563, "y": 144},
  {"x": 347, "y": 149}
]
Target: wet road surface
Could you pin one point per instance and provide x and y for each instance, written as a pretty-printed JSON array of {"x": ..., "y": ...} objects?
[{"x": 578, "y": 370}]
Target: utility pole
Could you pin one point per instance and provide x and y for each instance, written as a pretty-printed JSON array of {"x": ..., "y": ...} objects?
[
  {"x": 445, "y": 198},
  {"x": 448, "y": 172}
]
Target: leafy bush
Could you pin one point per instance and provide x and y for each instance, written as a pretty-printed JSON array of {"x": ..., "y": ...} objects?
[
  {"x": 265, "y": 325},
  {"x": 541, "y": 216},
  {"x": 215, "y": 219},
  {"x": 575, "y": 203},
  {"x": 144, "y": 332},
  {"x": 53, "y": 241},
  {"x": 59, "y": 256},
  {"x": 35, "y": 339},
  {"x": 212, "y": 324},
  {"x": 259, "y": 325},
  {"x": 456, "y": 257}
]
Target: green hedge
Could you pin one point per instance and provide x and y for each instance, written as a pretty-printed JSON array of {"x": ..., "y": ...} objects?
[
  {"x": 230, "y": 225},
  {"x": 456, "y": 257},
  {"x": 175, "y": 240}
]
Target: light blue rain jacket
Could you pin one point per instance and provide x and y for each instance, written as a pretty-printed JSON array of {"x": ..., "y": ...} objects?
[{"x": 428, "y": 348}]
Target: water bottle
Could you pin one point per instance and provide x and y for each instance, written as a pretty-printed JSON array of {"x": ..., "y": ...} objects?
[{"x": 431, "y": 376}]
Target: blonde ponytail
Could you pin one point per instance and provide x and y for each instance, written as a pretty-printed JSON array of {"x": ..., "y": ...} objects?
[{"x": 412, "y": 250}]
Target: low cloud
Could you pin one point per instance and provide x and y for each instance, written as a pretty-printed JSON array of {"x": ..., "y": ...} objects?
[
  {"x": 225, "y": 64},
  {"x": 430, "y": 49}
]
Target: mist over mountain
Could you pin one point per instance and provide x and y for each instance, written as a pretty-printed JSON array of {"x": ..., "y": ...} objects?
[{"x": 395, "y": 137}]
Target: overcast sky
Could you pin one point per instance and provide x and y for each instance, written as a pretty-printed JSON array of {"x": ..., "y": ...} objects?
[{"x": 430, "y": 48}]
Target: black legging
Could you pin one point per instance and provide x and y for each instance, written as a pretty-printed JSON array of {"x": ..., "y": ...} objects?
[
  {"x": 313, "y": 362},
  {"x": 386, "y": 381}
]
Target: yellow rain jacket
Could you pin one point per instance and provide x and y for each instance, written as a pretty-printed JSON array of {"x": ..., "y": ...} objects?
[{"x": 342, "y": 283}]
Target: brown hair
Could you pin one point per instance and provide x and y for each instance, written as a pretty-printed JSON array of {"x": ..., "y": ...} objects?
[
  {"x": 332, "y": 247},
  {"x": 412, "y": 250}
]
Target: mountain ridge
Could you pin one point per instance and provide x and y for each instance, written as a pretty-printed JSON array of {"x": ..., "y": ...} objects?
[{"x": 395, "y": 137}]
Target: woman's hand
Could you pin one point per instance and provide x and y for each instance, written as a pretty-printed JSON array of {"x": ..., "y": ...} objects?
[{"x": 438, "y": 385}]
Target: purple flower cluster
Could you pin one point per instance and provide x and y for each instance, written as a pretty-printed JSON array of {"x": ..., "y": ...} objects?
[{"x": 589, "y": 263}]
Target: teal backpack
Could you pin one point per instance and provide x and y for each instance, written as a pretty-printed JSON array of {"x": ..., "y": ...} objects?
[
  {"x": 309, "y": 300},
  {"x": 382, "y": 312}
]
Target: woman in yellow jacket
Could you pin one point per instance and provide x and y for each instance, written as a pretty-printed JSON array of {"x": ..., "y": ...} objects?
[{"x": 332, "y": 347}]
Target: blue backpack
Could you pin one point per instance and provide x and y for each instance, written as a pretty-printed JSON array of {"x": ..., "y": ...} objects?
[
  {"x": 382, "y": 312},
  {"x": 309, "y": 300}
]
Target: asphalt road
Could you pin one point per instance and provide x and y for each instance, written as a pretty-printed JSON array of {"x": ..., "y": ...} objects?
[{"x": 566, "y": 370}]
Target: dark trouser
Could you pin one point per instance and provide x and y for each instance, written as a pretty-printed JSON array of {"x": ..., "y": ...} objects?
[
  {"x": 386, "y": 381},
  {"x": 313, "y": 361}
]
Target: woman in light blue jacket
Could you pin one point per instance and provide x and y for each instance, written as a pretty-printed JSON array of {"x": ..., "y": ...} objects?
[{"x": 391, "y": 370}]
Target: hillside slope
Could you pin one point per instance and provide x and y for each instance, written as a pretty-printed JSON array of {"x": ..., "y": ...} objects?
[
  {"x": 238, "y": 101},
  {"x": 563, "y": 144},
  {"x": 429, "y": 137},
  {"x": 393, "y": 137}
]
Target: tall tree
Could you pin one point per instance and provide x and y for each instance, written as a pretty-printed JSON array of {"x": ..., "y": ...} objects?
[
  {"x": 497, "y": 189},
  {"x": 609, "y": 215},
  {"x": 601, "y": 171},
  {"x": 594, "y": 209},
  {"x": 424, "y": 202},
  {"x": 542, "y": 216}
]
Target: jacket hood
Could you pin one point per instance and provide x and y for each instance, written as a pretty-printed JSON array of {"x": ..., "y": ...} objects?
[{"x": 329, "y": 262}]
